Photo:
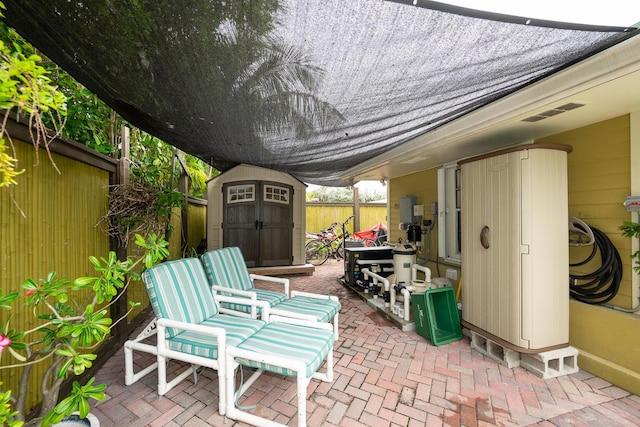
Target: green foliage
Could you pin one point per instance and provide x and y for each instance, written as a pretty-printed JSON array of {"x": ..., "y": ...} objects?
[
  {"x": 78, "y": 401},
  {"x": 6, "y": 299},
  {"x": 6, "y": 413},
  {"x": 331, "y": 194},
  {"x": 154, "y": 247},
  {"x": 632, "y": 230},
  {"x": 8, "y": 170},
  {"x": 151, "y": 160},
  {"x": 345, "y": 195},
  {"x": 88, "y": 120},
  {"x": 199, "y": 173},
  {"x": 73, "y": 325},
  {"x": 25, "y": 86}
]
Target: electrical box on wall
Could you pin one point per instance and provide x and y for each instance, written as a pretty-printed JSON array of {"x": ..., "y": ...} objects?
[
  {"x": 632, "y": 203},
  {"x": 406, "y": 209}
]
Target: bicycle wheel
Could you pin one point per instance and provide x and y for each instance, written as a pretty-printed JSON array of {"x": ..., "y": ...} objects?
[
  {"x": 340, "y": 250},
  {"x": 369, "y": 243},
  {"x": 316, "y": 252}
]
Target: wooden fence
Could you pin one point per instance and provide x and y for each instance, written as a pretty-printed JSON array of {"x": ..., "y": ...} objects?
[
  {"x": 51, "y": 221},
  {"x": 319, "y": 216}
]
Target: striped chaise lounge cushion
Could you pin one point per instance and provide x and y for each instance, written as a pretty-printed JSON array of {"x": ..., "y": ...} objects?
[
  {"x": 179, "y": 290},
  {"x": 322, "y": 309},
  {"x": 226, "y": 267},
  {"x": 307, "y": 345}
]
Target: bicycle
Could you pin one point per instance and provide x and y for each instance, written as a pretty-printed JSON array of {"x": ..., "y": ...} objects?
[
  {"x": 327, "y": 243},
  {"x": 375, "y": 236}
]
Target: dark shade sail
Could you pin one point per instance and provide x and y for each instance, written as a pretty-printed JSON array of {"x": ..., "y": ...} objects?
[{"x": 308, "y": 87}]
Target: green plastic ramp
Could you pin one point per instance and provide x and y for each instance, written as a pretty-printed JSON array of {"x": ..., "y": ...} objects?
[{"x": 436, "y": 317}]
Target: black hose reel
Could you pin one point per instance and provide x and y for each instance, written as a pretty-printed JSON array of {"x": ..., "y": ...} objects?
[{"x": 601, "y": 285}]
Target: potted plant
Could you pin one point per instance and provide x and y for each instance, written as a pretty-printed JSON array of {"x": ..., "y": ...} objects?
[{"x": 73, "y": 320}]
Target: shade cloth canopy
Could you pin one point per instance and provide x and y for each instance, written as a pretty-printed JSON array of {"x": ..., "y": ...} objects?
[{"x": 307, "y": 87}]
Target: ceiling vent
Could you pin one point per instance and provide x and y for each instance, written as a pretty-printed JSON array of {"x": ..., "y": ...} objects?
[{"x": 553, "y": 112}]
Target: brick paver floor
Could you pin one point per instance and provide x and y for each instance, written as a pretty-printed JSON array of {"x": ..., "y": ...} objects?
[{"x": 383, "y": 377}]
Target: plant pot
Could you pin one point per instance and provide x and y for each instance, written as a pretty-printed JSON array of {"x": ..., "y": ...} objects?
[{"x": 75, "y": 421}]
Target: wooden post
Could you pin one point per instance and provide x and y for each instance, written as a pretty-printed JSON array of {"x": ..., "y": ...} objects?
[
  {"x": 356, "y": 209},
  {"x": 125, "y": 167},
  {"x": 119, "y": 309},
  {"x": 183, "y": 187}
]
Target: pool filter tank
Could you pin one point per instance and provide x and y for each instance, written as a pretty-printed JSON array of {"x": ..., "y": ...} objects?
[{"x": 404, "y": 256}]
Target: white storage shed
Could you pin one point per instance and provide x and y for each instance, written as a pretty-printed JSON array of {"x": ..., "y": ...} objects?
[{"x": 260, "y": 210}]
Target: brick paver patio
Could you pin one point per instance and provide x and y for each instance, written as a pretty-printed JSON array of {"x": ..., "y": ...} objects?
[{"x": 383, "y": 377}]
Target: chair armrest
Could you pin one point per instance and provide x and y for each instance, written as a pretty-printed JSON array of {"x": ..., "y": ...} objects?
[
  {"x": 254, "y": 303},
  {"x": 311, "y": 295},
  {"x": 219, "y": 333},
  {"x": 301, "y": 322},
  {"x": 284, "y": 313},
  {"x": 240, "y": 292},
  {"x": 284, "y": 282}
]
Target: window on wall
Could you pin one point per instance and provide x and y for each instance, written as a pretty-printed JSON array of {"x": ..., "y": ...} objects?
[
  {"x": 241, "y": 193},
  {"x": 274, "y": 193},
  {"x": 449, "y": 232}
]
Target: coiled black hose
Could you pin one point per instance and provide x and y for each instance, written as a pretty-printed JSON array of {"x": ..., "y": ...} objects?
[{"x": 603, "y": 284}]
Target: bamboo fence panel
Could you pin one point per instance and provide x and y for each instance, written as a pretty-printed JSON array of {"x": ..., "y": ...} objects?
[{"x": 57, "y": 233}]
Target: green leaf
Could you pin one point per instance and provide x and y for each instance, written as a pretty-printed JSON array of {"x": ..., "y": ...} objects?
[
  {"x": 77, "y": 401},
  {"x": 7, "y": 299}
]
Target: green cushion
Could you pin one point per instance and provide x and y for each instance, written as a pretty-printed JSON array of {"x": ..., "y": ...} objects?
[
  {"x": 179, "y": 290},
  {"x": 308, "y": 345},
  {"x": 323, "y": 309},
  {"x": 226, "y": 267},
  {"x": 237, "y": 330}
]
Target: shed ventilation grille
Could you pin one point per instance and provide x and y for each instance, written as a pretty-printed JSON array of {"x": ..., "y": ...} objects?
[{"x": 553, "y": 112}]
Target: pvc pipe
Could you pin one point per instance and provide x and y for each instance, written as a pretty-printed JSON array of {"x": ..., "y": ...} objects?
[
  {"x": 392, "y": 298},
  {"x": 425, "y": 270},
  {"x": 410, "y": 288},
  {"x": 406, "y": 293},
  {"x": 377, "y": 278}
]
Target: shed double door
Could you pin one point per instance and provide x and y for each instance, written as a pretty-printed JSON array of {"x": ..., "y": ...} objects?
[
  {"x": 514, "y": 246},
  {"x": 258, "y": 218}
]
